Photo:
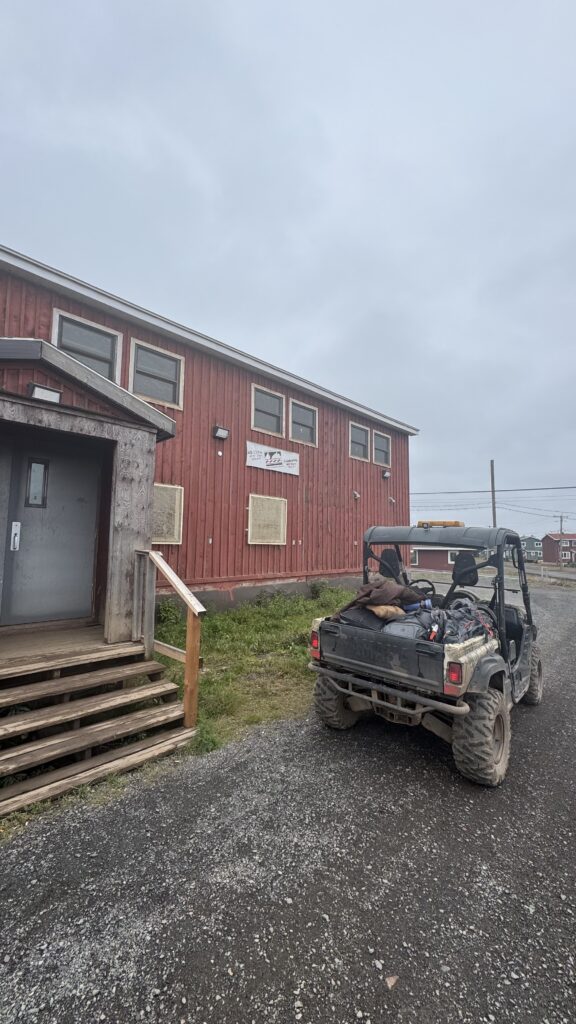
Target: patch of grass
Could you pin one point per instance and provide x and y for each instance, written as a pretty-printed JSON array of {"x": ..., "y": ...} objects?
[{"x": 255, "y": 660}]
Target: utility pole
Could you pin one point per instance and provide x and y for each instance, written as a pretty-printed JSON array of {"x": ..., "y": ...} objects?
[
  {"x": 493, "y": 489},
  {"x": 560, "y": 559}
]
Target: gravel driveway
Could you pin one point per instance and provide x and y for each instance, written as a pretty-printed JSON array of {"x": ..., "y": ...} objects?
[{"x": 292, "y": 876}]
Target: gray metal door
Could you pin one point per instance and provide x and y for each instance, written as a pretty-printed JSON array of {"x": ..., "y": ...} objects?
[{"x": 49, "y": 555}]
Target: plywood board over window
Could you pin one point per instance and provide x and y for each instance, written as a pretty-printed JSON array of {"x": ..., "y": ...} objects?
[
  {"x": 167, "y": 514},
  {"x": 266, "y": 519}
]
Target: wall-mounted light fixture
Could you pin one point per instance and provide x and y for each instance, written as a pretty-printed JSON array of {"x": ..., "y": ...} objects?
[
  {"x": 355, "y": 495},
  {"x": 222, "y": 433},
  {"x": 44, "y": 394},
  {"x": 386, "y": 474}
]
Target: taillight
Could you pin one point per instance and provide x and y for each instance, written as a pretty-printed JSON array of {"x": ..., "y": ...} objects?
[
  {"x": 455, "y": 673},
  {"x": 315, "y": 644},
  {"x": 454, "y": 679}
]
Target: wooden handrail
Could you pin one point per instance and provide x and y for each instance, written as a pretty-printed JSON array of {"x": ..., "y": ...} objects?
[
  {"x": 191, "y": 655},
  {"x": 191, "y": 602}
]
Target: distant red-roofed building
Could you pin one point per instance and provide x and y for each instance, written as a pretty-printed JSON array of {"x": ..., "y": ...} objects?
[{"x": 559, "y": 547}]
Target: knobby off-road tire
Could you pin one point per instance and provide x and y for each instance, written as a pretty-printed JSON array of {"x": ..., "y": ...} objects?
[
  {"x": 481, "y": 739},
  {"x": 331, "y": 706},
  {"x": 533, "y": 694}
]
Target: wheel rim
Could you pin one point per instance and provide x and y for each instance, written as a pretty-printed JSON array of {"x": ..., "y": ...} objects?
[{"x": 498, "y": 738}]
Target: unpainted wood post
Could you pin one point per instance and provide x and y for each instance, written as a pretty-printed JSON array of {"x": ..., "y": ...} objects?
[{"x": 191, "y": 670}]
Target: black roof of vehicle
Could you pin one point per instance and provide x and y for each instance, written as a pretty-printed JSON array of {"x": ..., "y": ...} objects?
[{"x": 458, "y": 537}]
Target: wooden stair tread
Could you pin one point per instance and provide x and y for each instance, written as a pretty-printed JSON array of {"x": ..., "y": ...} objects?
[
  {"x": 27, "y": 755},
  {"x": 72, "y": 684},
  {"x": 30, "y": 721},
  {"x": 97, "y": 768},
  {"x": 49, "y": 662}
]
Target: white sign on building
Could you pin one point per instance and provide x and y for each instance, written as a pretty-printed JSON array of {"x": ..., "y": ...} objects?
[{"x": 263, "y": 456}]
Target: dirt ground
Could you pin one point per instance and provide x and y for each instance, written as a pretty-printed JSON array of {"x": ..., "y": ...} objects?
[{"x": 293, "y": 875}]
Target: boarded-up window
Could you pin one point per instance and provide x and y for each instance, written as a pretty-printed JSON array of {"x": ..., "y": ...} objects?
[
  {"x": 266, "y": 520},
  {"x": 167, "y": 514}
]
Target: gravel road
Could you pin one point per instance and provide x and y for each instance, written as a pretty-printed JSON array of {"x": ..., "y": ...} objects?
[{"x": 293, "y": 876}]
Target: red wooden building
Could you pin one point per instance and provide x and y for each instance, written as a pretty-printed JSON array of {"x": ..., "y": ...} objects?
[
  {"x": 559, "y": 548},
  {"x": 268, "y": 477},
  {"x": 434, "y": 559}
]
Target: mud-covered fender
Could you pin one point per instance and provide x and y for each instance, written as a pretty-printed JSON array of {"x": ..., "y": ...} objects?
[{"x": 491, "y": 665}]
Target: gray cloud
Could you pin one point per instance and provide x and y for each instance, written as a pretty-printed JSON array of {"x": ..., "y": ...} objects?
[{"x": 380, "y": 197}]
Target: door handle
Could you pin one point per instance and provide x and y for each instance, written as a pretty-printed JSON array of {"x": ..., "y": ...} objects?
[{"x": 15, "y": 537}]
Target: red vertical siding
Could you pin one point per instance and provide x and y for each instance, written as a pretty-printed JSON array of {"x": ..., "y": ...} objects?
[
  {"x": 432, "y": 559},
  {"x": 325, "y": 522}
]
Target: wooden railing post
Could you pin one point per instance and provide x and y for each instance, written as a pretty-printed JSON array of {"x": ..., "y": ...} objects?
[
  {"x": 191, "y": 656},
  {"x": 191, "y": 670}
]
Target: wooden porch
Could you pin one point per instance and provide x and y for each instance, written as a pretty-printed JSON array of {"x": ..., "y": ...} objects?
[
  {"x": 27, "y": 651},
  {"x": 77, "y": 701},
  {"x": 74, "y": 709}
]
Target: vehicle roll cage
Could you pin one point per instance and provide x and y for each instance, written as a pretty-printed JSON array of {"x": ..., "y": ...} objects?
[{"x": 422, "y": 538}]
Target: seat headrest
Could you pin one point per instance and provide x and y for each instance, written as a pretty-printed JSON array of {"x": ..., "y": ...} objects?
[{"x": 390, "y": 564}]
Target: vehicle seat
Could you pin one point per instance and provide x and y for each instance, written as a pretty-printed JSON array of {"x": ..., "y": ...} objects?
[
  {"x": 390, "y": 565},
  {"x": 514, "y": 624}
]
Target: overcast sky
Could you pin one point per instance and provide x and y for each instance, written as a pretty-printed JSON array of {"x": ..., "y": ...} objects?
[{"x": 379, "y": 196}]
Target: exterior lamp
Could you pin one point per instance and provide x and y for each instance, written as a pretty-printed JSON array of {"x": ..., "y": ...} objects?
[
  {"x": 221, "y": 433},
  {"x": 44, "y": 394}
]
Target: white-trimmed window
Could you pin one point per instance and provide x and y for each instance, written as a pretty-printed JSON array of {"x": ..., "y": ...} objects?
[
  {"x": 452, "y": 556},
  {"x": 537, "y": 543},
  {"x": 156, "y": 375},
  {"x": 96, "y": 346},
  {"x": 359, "y": 442},
  {"x": 413, "y": 556},
  {"x": 565, "y": 543},
  {"x": 382, "y": 449},
  {"x": 303, "y": 423},
  {"x": 267, "y": 411},
  {"x": 566, "y": 556}
]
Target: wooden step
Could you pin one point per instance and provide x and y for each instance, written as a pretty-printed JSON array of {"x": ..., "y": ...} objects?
[
  {"x": 27, "y": 755},
  {"x": 96, "y": 768},
  {"x": 30, "y": 721},
  {"x": 23, "y": 664},
  {"x": 75, "y": 684}
]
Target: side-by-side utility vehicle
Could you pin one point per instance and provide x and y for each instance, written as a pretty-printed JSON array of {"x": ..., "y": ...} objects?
[{"x": 463, "y": 691}]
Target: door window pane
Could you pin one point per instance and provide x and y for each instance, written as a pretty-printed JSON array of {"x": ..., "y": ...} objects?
[
  {"x": 94, "y": 348},
  {"x": 37, "y": 484}
]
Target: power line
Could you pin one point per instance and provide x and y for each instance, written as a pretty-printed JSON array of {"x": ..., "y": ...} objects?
[{"x": 502, "y": 490}]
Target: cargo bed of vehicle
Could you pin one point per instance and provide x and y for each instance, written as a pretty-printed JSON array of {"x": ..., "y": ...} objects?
[{"x": 381, "y": 655}]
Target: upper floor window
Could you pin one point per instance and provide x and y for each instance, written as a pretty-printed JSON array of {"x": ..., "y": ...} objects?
[
  {"x": 303, "y": 423},
  {"x": 156, "y": 375},
  {"x": 267, "y": 411},
  {"x": 382, "y": 445},
  {"x": 565, "y": 543},
  {"x": 97, "y": 347},
  {"x": 359, "y": 442}
]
